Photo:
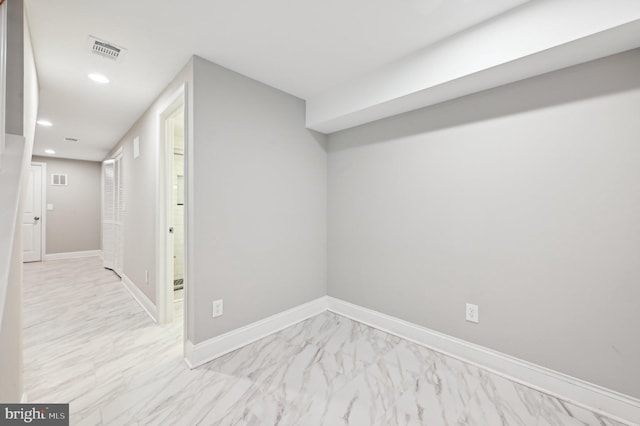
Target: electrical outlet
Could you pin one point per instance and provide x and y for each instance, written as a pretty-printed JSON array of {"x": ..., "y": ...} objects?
[
  {"x": 217, "y": 308},
  {"x": 472, "y": 313}
]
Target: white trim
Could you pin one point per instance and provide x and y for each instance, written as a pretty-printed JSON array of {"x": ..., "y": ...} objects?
[
  {"x": 118, "y": 159},
  {"x": 108, "y": 261},
  {"x": 596, "y": 398},
  {"x": 25, "y": 398},
  {"x": 72, "y": 255},
  {"x": 189, "y": 212},
  {"x": 119, "y": 153},
  {"x": 201, "y": 353},
  {"x": 114, "y": 261},
  {"x": 141, "y": 298}
]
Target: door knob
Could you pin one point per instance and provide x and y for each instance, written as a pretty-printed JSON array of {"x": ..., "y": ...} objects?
[{"x": 37, "y": 218}]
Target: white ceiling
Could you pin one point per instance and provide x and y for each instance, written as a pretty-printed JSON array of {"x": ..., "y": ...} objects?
[
  {"x": 353, "y": 61},
  {"x": 302, "y": 47},
  {"x": 536, "y": 38}
]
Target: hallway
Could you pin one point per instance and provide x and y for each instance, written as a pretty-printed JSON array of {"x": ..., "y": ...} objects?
[{"x": 87, "y": 342}]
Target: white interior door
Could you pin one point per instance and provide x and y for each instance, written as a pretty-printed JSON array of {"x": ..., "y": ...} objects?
[
  {"x": 113, "y": 215},
  {"x": 119, "y": 216},
  {"x": 108, "y": 214},
  {"x": 32, "y": 216}
]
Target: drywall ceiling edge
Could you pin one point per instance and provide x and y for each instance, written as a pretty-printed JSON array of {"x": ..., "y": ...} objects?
[{"x": 466, "y": 64}]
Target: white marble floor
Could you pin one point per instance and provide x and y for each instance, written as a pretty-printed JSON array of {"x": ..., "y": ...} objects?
[{"x": 88, "y": 343}]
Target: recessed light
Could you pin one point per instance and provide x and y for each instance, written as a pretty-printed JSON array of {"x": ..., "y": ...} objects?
[
  {"x": 45, "y": 123},
  {"x": 98, "y": 78},
  {"x": 49, "y": 151}
]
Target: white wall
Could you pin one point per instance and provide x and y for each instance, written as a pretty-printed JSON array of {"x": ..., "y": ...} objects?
[
  {"x": 259, "y": 206},
  {"x": 523, "y": 199}
]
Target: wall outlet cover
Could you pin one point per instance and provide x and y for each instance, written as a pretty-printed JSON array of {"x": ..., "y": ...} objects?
[
  {"x": 472, "y": 313},
  {"x": 136, "y": 147},
  {"x": 217, "y": 308}
]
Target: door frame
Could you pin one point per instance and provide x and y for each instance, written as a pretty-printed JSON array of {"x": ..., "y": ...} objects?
[
  {"x": 43, "y": 208},
  {"x": 103, "y": 202},
  {"x": 118, "y": 266},
  {"x": 164, "y": 209},
  {"x": 116, "y": 159}
]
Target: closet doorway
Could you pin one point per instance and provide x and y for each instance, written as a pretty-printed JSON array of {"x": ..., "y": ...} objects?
[
  {"x": 112, "y": 214},
  {"x": 173, "y": 204}
]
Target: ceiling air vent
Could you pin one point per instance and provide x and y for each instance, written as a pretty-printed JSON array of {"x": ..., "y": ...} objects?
[{"x": 106, "y": 49}]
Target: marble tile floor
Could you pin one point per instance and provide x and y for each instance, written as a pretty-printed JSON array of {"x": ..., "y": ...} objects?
[{"x": 87, "y": 342}]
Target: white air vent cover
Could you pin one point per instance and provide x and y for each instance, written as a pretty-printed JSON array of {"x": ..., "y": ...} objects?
[
  {"x": 106, "y": 49},
  {"x": 58, "y": 179}
]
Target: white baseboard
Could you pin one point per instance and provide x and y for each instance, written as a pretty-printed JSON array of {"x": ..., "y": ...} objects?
[
  {"x": 588, "y": 395},
  {"x": 72, "y": 255},
  {"x": 141, "y": 298},
  {"x": 201, "y": 353},
  {"x": 585, "y": 394}
]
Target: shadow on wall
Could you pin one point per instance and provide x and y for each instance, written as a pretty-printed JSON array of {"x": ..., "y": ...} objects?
[
  {"x": 320, "y": 138},
  {"x": 602, "y": 77}
]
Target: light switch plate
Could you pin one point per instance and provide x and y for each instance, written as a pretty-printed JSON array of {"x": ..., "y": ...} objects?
[{"x": 49, "y": 206}]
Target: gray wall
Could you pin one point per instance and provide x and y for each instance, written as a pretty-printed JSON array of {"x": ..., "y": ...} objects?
[
  {"x": 74, "y": 223},
  {"x": 12, "y": 164},
  {"x": 257, "y": 206},
  {"x": 140, "y": 178},
  {"x": 15, "y": 170},
  {"x": 524, "y": 199},
  {"x": 259, "y": 224},
  {"x": 11, "y": 364},
  {"x": 15, "y": 68}
]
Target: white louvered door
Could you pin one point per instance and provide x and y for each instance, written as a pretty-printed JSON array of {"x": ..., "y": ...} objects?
[
  {"x": 109, "y": 214},
  {"x": 113, "y": 214},
  {"x": 119, "y": 216}
]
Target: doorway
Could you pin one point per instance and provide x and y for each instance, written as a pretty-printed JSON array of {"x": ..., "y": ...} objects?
[
  {"x": 176, "y": 124},
  {"x": 173, "y": 277},
  {"x": 33, "y": 220},
  {"x": 113, "y": 214}
]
